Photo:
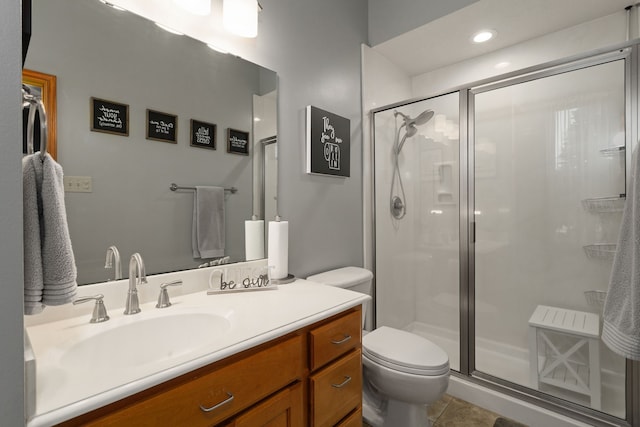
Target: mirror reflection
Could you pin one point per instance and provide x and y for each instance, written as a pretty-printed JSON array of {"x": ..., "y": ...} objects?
[{"x": 170, "y": 86}]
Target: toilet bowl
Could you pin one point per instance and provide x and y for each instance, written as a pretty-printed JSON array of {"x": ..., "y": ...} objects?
[{"x": 403, "y": 373}]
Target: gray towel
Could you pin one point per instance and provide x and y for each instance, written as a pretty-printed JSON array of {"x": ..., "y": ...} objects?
[
  {"x": 50, "y": 269},
  {"x": 33, "y": 285},
  {"x": 207, "y": 231},
  {"x": 621, "y": 327}
]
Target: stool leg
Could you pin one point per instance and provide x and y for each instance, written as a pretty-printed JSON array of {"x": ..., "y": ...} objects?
[
  {"x": 594, "y": 374},
  {"x": 533, "y": 357}
]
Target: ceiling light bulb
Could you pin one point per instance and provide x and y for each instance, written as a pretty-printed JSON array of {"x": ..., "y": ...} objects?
[
  {"x": 483, "y": 36},
  {"x": 240, "y": 17},
  {"x": 168, "y": 29},
  {"x": 197, "y": 7}
]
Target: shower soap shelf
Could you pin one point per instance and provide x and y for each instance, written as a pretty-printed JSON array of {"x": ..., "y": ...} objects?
[
  {"x": 604, "y": 204},
  {"x": 600, "y": 251},
  {"x": 610, "y": 151}
]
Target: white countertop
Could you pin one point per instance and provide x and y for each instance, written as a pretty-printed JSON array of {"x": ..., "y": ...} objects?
[{"x": 254, "y": 318}]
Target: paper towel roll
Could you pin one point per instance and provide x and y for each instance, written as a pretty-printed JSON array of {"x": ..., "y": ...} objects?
[
  {"x": 278, "y": 255},
  {"x": 254, "y": 239}
]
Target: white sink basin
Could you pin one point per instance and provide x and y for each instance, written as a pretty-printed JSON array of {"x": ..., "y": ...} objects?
[{"x": 135, "y": 341}]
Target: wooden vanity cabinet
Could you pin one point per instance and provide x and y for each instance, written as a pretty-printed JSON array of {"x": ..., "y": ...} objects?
[{"x": 312, "y": 377}]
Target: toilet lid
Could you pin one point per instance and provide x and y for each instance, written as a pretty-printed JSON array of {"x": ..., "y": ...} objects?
[{"x": 405, "y": 352}]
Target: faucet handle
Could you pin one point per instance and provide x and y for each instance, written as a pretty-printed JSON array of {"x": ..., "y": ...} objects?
[
  {"x": 99, "y": 310},
  {"x": 163, "y": 298}
]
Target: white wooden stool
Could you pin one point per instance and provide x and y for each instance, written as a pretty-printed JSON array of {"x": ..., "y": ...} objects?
[{"x": 556, "y": 367}]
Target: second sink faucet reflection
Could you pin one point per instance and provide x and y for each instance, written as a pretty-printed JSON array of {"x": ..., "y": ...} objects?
[
  {"x": 113, "y": 257},
  {"x": 137, "y": 275}
]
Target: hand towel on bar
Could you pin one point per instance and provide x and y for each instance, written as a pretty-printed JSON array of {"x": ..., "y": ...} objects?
[
  {"x": 621, "y": 327},
  {"x": 58, "y": 273},
  {"x": 207, "y": 231},
  {"x": 33, "y": 286}
]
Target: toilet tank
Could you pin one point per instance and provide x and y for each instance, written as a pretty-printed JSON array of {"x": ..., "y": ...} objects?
[{"x": 355, "y": 279}]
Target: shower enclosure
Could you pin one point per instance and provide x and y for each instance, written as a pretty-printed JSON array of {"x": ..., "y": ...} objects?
[{"x": 511, "y": 195}]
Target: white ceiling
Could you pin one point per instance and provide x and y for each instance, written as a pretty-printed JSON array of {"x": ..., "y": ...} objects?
[{"x": 447, "y": 40}]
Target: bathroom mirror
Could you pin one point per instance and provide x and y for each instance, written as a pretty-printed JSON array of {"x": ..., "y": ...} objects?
[{"x": 146, "y": 72}]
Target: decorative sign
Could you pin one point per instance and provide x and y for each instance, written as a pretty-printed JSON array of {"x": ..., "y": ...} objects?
[
  {"x": 237, "y": 142},
  {"x": 162, "y": 126},
  {"x": 203, "y": 134},
  {"x": 328, "y": 143},
  {"x": 109, "y": 117}
]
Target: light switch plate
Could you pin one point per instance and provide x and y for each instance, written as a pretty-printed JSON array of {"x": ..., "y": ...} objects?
[{"x": 78, "y": 184}]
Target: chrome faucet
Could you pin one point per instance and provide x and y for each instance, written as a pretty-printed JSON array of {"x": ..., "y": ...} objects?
[
  {"x": 137, "y": 275},
  {"x": 114, "y": 255}
]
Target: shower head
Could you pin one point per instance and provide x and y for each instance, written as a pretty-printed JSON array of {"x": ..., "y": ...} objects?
[
  {"x": 411, "y": 125},
  {"x": 421, "y": 119}
]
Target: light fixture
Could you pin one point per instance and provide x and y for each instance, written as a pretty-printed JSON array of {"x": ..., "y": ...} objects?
[
  {"x": 168, "y": 29},
  {"x": 483, "y": 36},
  {"x": 257, "y": 119},
  {"x": 240, "y": 17},
  {"x": 197, "y": 7},
  {"x": 500, "y": 65},
  {"x": 113, "y": 6}
]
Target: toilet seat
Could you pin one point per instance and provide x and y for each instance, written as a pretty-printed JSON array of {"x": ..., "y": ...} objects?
[{"x": 405, "y": 352}]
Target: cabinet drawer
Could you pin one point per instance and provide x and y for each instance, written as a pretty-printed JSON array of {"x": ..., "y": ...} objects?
[
  {"x": 334, "y": 339},
  {"x": 353, "y": 420},
  {"x": 336, "y": 390},
  {"x": 285, "y": 409},
  {"x": 240, "y": 384}
]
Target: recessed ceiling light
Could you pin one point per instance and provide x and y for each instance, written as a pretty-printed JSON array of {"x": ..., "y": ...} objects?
[
  {"x": 168, "y": 29},
  {"x": 483, "y": 36},
  {"x": 503, "y": 64},
  {"x": 111, "y": 5}
]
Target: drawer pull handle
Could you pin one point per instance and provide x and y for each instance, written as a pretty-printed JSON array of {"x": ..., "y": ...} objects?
[
  {"x": 346, "y": 381},
  {"x": 342, "y": 341},
  {"x": 224, "y": 402}
]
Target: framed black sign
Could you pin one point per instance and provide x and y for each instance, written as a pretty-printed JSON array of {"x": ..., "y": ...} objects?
[
  {"x": 237, "y": 142},
  {"x": 328, "y": 143},
  {"x": 203, "y": 134},
  {"x": 162, "y": 126},
  {"x": 109, "y": 117}
]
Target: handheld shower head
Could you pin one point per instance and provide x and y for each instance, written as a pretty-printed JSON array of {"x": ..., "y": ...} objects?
[{"x": 421, "y": 119}]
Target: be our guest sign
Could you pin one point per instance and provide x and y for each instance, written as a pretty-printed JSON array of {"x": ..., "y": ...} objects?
[
  {"x": 328, "y": 143},
  {"x": 109, "y": 117}
]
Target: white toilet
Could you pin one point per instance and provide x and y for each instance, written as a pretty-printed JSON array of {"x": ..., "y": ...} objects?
[{"x": 403, "y": 373}]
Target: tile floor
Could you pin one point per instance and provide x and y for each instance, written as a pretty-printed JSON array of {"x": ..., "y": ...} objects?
[{"x": 452, "y": 412}]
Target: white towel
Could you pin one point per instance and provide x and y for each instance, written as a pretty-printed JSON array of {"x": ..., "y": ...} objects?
[
  {"x": 621, "y": 327},
  {"x": 207, "y": 231},
  {"x": 50, "y": 269}
]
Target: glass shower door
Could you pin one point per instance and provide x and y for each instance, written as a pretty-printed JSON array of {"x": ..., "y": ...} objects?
[
  {"x": 549, "y": 182},
  {"x": 417, "y": 148}
]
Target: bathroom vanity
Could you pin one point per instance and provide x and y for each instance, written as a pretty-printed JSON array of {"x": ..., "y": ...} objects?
[{"x": 291, "y": 356}]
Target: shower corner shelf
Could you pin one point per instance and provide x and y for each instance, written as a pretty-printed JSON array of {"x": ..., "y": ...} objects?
[
  {"x": 596, "y": 299},
  {"x": 610, "y": 151},
  {"x": 600, "y": 251},
  {"x": 604, "y": 204}
]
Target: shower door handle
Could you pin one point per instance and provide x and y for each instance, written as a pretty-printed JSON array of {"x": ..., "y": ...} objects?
[{"x": 473, "y": 231}]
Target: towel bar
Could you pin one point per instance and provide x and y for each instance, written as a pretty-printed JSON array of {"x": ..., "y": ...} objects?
[{"x": 176, "y": 187}]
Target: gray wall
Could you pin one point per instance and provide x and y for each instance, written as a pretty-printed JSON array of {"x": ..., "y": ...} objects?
[
  {"x": 11, "y": 324},
  {"x": 314, "y": 46},
  {"x": 388, "y": 19}
]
